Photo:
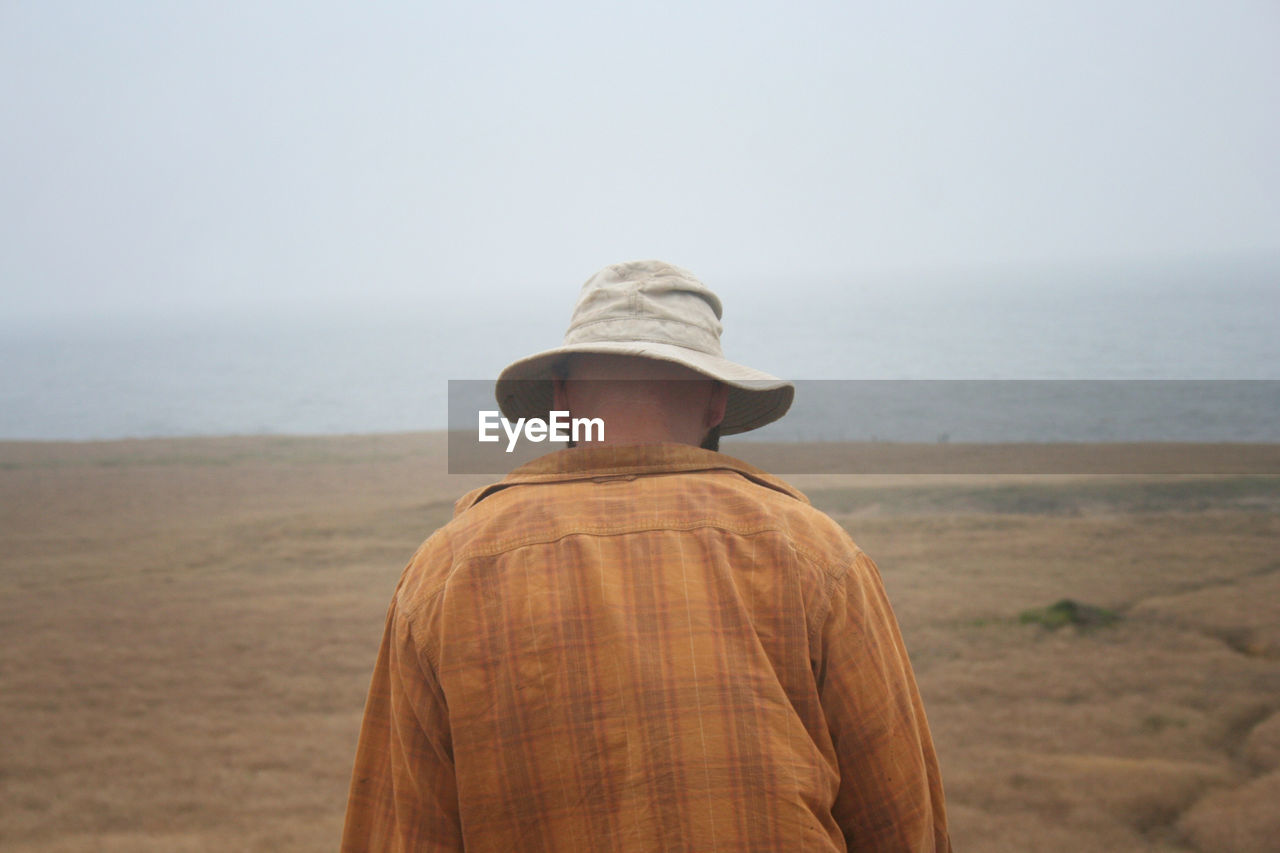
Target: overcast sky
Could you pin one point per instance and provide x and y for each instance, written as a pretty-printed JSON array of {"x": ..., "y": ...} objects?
[{"x": 175, "y": 157}]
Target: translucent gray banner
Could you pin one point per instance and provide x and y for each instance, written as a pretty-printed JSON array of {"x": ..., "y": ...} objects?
[{"x": 949, "y": 426}]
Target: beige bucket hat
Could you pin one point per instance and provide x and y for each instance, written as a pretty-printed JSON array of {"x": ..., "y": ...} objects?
[{"x": 653, "y": 310}]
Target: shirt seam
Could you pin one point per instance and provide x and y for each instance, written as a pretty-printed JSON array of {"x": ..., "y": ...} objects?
[
  {"x": 834, "y": 575},
  {"x": 423, "y": 655},
  {"x": 642, "y": 526},
  {"x": 411, "y": 610}
]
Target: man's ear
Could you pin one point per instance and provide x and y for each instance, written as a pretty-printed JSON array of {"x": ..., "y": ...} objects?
[{"x": 716, "y": 405}]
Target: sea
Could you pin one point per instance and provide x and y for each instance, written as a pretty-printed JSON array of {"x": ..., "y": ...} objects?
[{"x": 1201, "y": 353}]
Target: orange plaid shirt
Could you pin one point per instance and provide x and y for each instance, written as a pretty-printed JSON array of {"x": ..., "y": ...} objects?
[{"x": 645, "y": 648}]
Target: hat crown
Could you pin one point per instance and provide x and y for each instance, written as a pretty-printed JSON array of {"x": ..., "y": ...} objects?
[
  {"x": 647, "y": 309},
  {"x": 647, "y": 301}
]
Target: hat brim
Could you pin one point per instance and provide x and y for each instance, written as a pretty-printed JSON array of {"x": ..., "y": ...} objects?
[{"x": 524, "y": 388}]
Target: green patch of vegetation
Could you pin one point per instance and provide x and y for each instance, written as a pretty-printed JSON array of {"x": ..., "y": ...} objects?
[{"x": 1068, "y": 612}]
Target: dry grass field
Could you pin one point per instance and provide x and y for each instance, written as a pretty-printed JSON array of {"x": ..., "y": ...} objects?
[{"x": 187, "y": 629}]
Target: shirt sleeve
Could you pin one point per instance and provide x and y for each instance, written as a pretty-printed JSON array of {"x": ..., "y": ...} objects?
[
  {"x": 890, "y": 795},
  {"x": 403, "y": 788}
]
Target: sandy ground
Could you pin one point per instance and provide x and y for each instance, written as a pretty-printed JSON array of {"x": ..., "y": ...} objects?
[{"x": 187, "y": 629}]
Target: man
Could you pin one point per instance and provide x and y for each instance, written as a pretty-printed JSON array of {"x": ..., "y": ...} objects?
[{"x": 638, "y": 644}]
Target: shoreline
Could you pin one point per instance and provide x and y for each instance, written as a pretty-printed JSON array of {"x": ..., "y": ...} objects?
[{"x": 460, "y": 454}]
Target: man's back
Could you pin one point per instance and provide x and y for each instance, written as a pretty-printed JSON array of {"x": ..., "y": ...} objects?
[{"x": 643, "y": 648}]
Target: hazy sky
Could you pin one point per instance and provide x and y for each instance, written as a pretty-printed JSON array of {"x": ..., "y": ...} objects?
[{"x": 199, "y": 156}]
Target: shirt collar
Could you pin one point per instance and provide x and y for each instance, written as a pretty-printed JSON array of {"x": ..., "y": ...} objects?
[{"x": 592, "y": 462}]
